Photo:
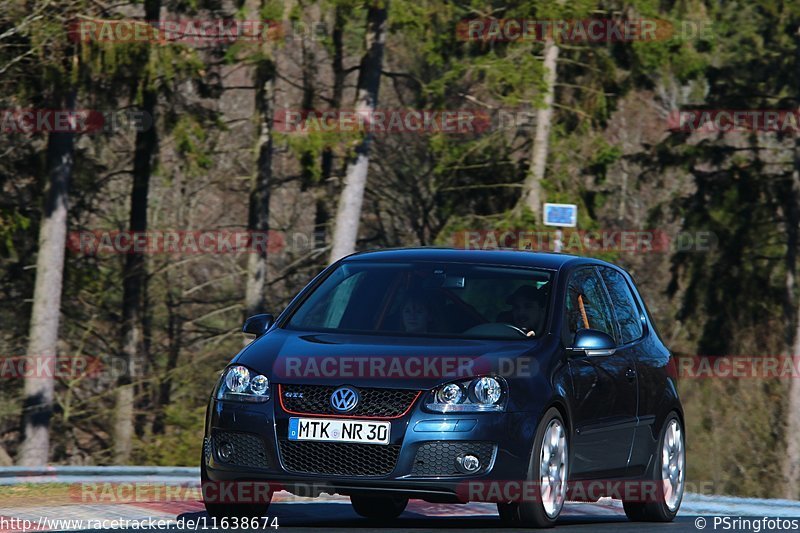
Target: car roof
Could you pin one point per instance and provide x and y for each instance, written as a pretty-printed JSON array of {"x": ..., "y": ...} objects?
[{"x": 509, "y": 257}]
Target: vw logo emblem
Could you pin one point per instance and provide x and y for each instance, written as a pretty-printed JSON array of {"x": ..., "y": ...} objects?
[{"x": 344, "y": 399}]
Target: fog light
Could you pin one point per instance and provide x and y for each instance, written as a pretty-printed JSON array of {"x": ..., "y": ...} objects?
[
  {"x": 468, "y": 463},
  {"x": 225, "y": 451}
]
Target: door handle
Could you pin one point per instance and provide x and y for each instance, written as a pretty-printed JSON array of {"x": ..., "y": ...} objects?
[{"x": 630, "y": 374}]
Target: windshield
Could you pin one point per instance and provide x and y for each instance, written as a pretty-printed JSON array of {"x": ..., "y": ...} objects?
[{"x": 428, "y": 299}]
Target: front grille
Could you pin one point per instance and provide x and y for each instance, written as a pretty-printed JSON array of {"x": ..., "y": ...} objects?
[
  {"x": 342, "y": 459},
  {"x": 247, "y": 449},
  {"x": 377, "y": 403},
  {"x": 438, "y": 458}
]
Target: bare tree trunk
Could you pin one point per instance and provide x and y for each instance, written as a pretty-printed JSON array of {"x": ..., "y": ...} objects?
[
  {"x": 5, "y": 459},
  {"x": 532, "y": 189},
  {"x": 322, "y": 215},
  {"x": 348, "y": 213},
  {"x": 258, "y": 214},
  {"x": 258, "y": 218},
  {"x": 337, "y": 38},
  {"x": 309, "y": 66},
  {"x": 134, "y": 274},
  {"x": 791, "y": 465},
  {"x": 43, "y": 338},
  {"x": 174, "y": 345}
]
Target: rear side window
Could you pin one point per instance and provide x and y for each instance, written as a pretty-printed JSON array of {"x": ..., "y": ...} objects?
[
  {"x": 587, "y": 305},
  {"x": 625, "y": 308}
]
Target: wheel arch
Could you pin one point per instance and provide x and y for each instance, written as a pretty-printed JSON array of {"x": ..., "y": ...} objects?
[{"x": 560, "y": 405}]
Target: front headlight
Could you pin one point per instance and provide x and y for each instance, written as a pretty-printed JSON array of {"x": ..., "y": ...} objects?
[
  {"x": 239, "y": 384},
  {"x": 477, "y": 395}
]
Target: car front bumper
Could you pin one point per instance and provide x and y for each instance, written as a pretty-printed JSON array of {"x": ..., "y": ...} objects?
[{"x": 419, "y": 461}]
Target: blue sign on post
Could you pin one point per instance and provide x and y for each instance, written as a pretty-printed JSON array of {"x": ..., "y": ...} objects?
[{"x": 563, "y": 215}]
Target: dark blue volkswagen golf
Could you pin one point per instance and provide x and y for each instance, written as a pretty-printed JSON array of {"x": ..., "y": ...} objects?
[{"x": 521, "y": 378}]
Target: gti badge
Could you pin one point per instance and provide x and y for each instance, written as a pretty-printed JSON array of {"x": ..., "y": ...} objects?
[{"x": 344, "y": 399}]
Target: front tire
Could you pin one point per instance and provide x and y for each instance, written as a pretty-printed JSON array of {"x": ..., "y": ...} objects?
[
  {"x": 668, "y": 474},
  {"x": 379, "y": 507},
  {"x": 549, "y": 469}
]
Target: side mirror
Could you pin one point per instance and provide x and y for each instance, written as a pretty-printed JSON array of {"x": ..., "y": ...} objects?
[
  {"x": 257, "y": 324},
  {"x": 593, "y": 343}
]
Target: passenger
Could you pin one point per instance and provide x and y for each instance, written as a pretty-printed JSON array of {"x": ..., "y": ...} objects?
[{"x": 527, "y": 308}]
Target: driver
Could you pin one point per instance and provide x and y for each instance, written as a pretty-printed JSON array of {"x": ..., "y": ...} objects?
[
  {"x": 416, "y": 313},
  {"x": 527, "y": 308}
]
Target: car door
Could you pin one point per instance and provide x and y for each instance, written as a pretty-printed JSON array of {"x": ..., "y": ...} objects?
[
  {"x": 651, "y": 359},
  {"x": 604, "y": 395}
]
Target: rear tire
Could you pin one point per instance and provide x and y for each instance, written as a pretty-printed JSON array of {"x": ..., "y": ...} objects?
[
  {"x": 668, "y": 473},
  {"x": 549, "y": 470},
  {"x": 379, "y": 507}
]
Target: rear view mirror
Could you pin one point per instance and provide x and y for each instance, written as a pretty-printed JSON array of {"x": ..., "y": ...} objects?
[
  {"x": 454, "y": 282},
  {"x": 593, "y": 343},
  {"x": 257, "y": 324}
]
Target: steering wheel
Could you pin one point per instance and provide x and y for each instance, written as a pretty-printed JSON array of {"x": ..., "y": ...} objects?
[{"x": 498, "y": 329}]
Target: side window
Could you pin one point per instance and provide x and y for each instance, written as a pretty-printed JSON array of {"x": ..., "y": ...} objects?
[
  {"x": 340, "y": 299},
  {"x": 625, "y": 308},
  {"x": 587, "y": 305},
  {"x": 326, "y": 309}
]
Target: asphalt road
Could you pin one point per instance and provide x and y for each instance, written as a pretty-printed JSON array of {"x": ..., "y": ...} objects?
[
  {"x": 338, "y": 515},
  {"x": 339, "y": 518},
  {"x": 70, "y": 511}
]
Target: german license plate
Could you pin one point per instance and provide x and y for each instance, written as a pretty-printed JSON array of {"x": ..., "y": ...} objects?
[{"x": 332, "y": 430}]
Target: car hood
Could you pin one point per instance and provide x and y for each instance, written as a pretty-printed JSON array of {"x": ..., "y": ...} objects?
[{"x": 380, "y": 361}]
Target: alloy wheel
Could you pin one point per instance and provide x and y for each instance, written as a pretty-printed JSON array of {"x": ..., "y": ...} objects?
[
  {"x": 553, "y": 469},
  {"x": 672, "y": 465}
]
